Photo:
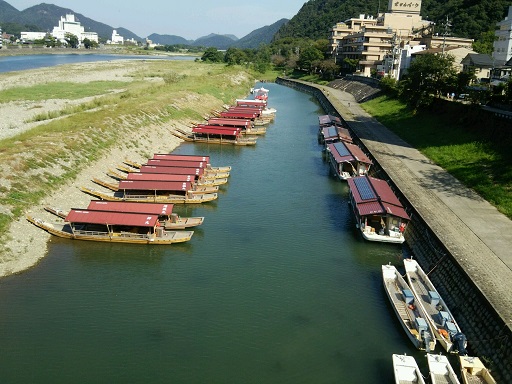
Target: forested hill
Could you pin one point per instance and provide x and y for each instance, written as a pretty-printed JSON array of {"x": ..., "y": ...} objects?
[{"x": 469, "y": 18}]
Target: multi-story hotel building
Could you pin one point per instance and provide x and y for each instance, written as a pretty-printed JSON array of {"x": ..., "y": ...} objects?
[{"x": 503, "y": 44}]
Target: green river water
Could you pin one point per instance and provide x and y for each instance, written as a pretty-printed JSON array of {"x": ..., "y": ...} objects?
[{"x": 275, "y": 287}]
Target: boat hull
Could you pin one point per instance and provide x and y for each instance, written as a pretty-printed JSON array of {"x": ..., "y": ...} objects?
[
  {"x": 169, "y": 199},
  {"x": 474, "y": 371},
  {"x": 441, "y": 372},
  {"x": 406, "y": 370}
]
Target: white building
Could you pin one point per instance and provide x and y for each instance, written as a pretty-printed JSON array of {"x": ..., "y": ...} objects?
[
  {"x": 68, "y": 24},
  {"x": 116, "y": 38},
  {"x": 503, "y": 44},
  {"x": 31, "y": 36}
]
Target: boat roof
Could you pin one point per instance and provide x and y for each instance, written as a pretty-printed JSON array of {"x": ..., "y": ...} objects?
[
  {"x": 111, "y": 218},
  {"x": 170, "y": 156},
  {"x": 128, "y": 207},
  {"x": 333, "y": 132},
  {"x": 229, "y": 122},
  {"x": 245, "y": 115},
  {"x": 374, "y": 196},
  {"x": 251, "y": 102},
  {"x": 177, "y": 163},
  {"x": 152, "y": 185},
  {"x": 159, "y": 177},
  {"x": 342, "y": 152},
  {"x": 223, "y": 127},
  {"x": 326, "y": 120},
  {"x": 217, "y": 131},
  {"x": 171, "y": 170}
]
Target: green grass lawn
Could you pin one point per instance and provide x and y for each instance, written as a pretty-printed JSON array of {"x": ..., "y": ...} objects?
[{"x": 479, "y": 164}]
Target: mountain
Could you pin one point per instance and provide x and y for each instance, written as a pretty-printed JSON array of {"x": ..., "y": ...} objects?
[
  {"x": 217, "y": 41},
  {"x": 469, "y": 18},
  {"x": 169, "y": 39},
  {"x": 46, "y": 16},
  {"x": 259, "y": 36}
]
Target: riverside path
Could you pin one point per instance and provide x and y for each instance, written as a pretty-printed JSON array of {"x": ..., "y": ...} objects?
[{"x": 472, "y": 230}]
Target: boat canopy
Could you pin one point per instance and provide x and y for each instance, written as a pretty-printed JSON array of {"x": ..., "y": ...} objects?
[
  {"x": 218, "y": 131},
  {"x": 343, "y": 152},
  {"x": 126, "y": 207},
  {"x": 223, "y": 127},
  {"x": 249, "y": 102},
  {"x": 78, "y": 216},
  {"x": 230, "y": 122},
  {"x": 374, "y": 196},
  {"x": 327, "y": 120},
  {"x": 177, "y": 163},
  {"x": 239, "y": 115},
  {"x": 333, "y": 133},
  {"x": 169, "y": 156},
  {"x": 171, "y": 170},
  {"x": 150, "y": 185},
  {"x": 159, "y": 177}
]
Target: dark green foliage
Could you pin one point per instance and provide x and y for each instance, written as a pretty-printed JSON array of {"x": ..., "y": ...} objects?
[
  {"x": 485, "y": 43},
  {"x": 212, "y": 55},
  {"x": 469, "y": 18}
]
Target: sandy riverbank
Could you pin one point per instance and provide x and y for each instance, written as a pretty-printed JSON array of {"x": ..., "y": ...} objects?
[{"x": 27, "y": 244}]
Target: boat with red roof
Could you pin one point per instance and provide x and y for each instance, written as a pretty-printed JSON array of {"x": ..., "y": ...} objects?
[
  {"x": 379, "y": 214},
  {"x": 347, "y": 160},
  {"x": 215, "y": 135},
  {"x": 114, "y": 227}
]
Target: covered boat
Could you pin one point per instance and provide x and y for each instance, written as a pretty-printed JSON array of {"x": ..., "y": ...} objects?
[
  {"x": 191, "y": 185},
  {"x": 379, "y": 214},
  {"x": 118, "y": 227},
  {"x": 261, "y": 93},
  {"x": 332, "y": 134},
  {"x": 328, "y": 121},
  {"x": 347, "y": 160},
  {"x": 214, "y": 135}
]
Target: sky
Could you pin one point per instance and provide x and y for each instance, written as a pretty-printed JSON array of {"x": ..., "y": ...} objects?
[{"x": 190, "y": 19}]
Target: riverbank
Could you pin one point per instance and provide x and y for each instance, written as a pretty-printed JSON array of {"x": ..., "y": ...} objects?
[
  {"x": 48, "y": 160},
  {"x": 105, "y": 50}
]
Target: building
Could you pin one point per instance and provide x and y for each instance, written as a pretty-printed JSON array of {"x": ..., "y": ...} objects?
[
  {"x": 503, "y": 44},
  {"x": 31, "y": 36},
  {"x": 69, "y": 24},
  {"x": 480, "y": 64},
  {"x": 373, "y": 42},
  {"x": 116, "y": 38}
]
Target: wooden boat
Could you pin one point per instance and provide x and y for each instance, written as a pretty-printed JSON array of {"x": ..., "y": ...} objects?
[
  {"x": 406, "y": 370},
  {"x": 200, "y": 158},
  {"x": 473, "y": 371},
  {"x": 441, "y": 372},
  {"x": 255, "y": 103},
  {"x": 255, "y": 117},
  {"x": 165, "y": 177},
  {"x": 249, "y": 130},
  {"x": 247, "y": 125},
  {"x": 262, "y": 112},
  {"x": 439, "y": 316},
  {"x": 167, "y": 218},
  {"x": 169, "y": 162},
  {"x": 411, "y": 316},
  {"x": 198, "y": 172},
  {"x": 347, "y": 160},
  {"x": 191, "y": 186},
  {"x": 379, "y": 214},
  {"x": 150, "y": 197},
  {"x": 215, "y": 136},
  {"x": 112, "y": 227}
]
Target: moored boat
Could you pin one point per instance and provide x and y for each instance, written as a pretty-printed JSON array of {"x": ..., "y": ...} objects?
[
  {"x": 152, "y": 196},
  {"x": 406, "y": 370},
  {"x": 347, "y": 160},
  {"x": 168, "y": 219},
  {"x": 410, "y": 316},
  {"x": 441, "y": 372},
  {"x": 333, "y": 134},
  {"x": 473, "y": 371},
  {"x": 379, "y": 214},
  {"x": 136, "y": 175},
  {"x": 112, "y": 227},
  {"x": 215, "y": 136},
  {"x": 145, "y": 183},
  {"x": 169, "y": 162},
  {"x": 445, "y": 328}
]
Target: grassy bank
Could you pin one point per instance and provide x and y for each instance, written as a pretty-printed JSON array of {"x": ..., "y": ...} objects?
[
  {"x": 451, "y": 143},
  {"x": 41, "y": 160}
]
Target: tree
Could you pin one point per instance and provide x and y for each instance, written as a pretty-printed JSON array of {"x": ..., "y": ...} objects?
[
  {"x": 72, "y": 40},
  {"x": 428, "y": 76},
  {"x": 485, "y": 43},
  {"x": 235, "y": 56},
  {"x": 308, "y": 56},
  {"x": 212, "y": 55}
]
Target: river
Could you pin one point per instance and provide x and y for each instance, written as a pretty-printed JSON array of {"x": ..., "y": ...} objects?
[
  {"x": 275, "y": 287},
  {"x": 24, "y": 62}
]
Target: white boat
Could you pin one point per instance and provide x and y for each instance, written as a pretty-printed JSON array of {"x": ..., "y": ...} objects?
[
  {"x": 406, "y": 370},
  {"x": 474, "y": 371},
  {"x": 411, "y": 316},
  {"x": 445, "y": 328},
  {"x": 441, "y": 372}
]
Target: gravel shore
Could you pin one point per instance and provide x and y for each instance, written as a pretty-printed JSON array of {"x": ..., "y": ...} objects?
[{"x": 27, "y": 243}]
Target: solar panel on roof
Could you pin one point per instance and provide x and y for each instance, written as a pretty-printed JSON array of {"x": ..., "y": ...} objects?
[
  {"x": 342, "y": 149},
  {"x": 364, "y": 188},
  {"x": 332, "y": 131}
]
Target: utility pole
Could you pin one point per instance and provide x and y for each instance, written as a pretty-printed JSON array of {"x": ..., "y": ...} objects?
[{"x": 446, "y": 25}]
